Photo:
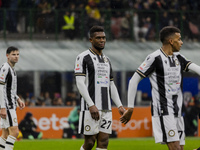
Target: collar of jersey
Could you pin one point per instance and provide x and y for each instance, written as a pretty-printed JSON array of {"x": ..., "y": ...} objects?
[
  {"x": 92, "y": 51},
  {"x": 163, "y": 52}
]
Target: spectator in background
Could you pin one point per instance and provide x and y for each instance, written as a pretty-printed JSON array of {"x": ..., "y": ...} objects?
[
  {"x": 32, "y": 101},
  {"x": 191, "y": 117},
  {"x": 57, "y": 101},
  {"x": 125, "y": 25},
  {"x": 44, "y": 13},
  {"x": 73, "y": 120},
  {"x": 71, "y": 96},
  {"x": 13, "y": 16},
  {"x": 47, "y": 99},
  {"x": 93, "y": 15},
  {"x": 40, "y": 100},
  {"x": 28, "y": 128},
  {"x": 69, "y": 25},
  {"x": 164, "y": 20}
]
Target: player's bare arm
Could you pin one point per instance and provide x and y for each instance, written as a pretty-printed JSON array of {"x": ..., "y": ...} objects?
[
  {"x": 126, "y": 116},
  {"x": 94, "y": 112}
]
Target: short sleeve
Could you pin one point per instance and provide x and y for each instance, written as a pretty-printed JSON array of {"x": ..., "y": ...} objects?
[
  {"x": 147, "y": 67},
  {"x": 184, "y": 62},
  {"x": 79, "y": 69},
  {"x": 3, "y": 74}
]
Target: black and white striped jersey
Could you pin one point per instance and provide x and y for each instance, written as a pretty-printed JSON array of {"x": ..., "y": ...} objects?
[
  {"x": 165, "y": 74},
  {"x": 8, "y": 78},
  {"x": 98, "y": 72}
]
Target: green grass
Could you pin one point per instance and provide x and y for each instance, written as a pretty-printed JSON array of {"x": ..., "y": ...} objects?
[{"x": 114, "y": 144}]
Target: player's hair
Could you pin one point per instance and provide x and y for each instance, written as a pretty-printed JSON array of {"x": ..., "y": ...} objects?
[
  {"x": 96, "y": 29},
  {"x": 10, "y": 49},
  {"x": 166, "y": 32}
]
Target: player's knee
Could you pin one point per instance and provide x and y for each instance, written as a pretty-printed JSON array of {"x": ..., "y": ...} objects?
[
  {"x": 103, "y": 143},
  {"x": 90, "y": 143},
  {"x": 16, "y": 133}
]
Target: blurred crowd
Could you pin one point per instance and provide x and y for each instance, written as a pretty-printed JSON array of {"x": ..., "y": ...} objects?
[
  {"x": 191, "y": 113},
  {"x": 45, "y": 99},
  {"x": 123, "y": 22}
]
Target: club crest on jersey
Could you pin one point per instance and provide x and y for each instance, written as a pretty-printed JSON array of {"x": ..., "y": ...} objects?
[
  {"x": 148, "y": 58},
  {"x": 87, "y": 128},
  {"x": 166, "y": 61},
  {"x": 94, "y": 58},
  {"x": 78, "y": 58},
  {"x": 105, "y": 59},
  {"x": 177, "y": 62},
  {"x": 171, "y": 133}
]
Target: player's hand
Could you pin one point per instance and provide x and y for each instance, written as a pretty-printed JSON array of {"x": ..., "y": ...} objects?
[
  {"x": 126, "y": 116},
  {"x": 94, "y": 112},
  {"x": 20, "y": 103},
  {"x": 3, "y": 113},
  {"x": 121, "y": 110}
]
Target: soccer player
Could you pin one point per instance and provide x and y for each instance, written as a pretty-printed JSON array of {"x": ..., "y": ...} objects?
[
  {"x": 94, "y": 79},
  {"x": 165, "y": 69},
  {"x": 9, "y": 100}
]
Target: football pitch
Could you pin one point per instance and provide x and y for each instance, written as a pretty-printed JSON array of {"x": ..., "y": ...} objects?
[{"x": 114, "y": 144}]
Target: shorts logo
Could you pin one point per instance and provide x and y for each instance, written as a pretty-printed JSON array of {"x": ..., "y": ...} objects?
[
  {"x": 15, "y": 120},
  {"x": 87, "y": 128},
  {"x": 171, "y": 133}
]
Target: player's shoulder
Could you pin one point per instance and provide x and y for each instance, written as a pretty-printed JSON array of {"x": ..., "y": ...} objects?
[
  {"x": 153, "y": 55},
  {"x": 5, "y": 66},
  {"x": 83, "y": 54}
]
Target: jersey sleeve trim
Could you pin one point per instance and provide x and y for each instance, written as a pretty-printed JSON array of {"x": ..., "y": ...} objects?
[
  {"x": 80, "y": 74},
  {"x": 141, "y": 74},
  {"x": 111, "y": 79},
  {"x": 2, "y": 83},
  {"x": 186, "y": 68}
]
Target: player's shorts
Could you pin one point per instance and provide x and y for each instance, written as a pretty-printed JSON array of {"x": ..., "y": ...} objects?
[
  {"x": 168, "y": 129},
  {"x": 89, "y": 126},
  {"x": 11, "y": 119}
]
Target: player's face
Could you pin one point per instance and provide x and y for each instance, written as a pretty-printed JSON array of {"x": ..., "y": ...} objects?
[
  {"x": 13, "y": 57},
  {"x": 176, "y": 42},
  {"x": 98, "y": 40}
]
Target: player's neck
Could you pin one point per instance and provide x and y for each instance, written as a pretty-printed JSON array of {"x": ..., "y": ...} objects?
[
  {"x": 167, "y": 49},
  {"x": 98, "y": 52},
  {"x": 11, "y": 64}
]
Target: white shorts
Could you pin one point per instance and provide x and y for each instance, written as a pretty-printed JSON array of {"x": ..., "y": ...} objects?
[
  {"x": 168, "y": 129},
  {"x": 89, "y": 126},
  {"x": 11, "y": 119}
]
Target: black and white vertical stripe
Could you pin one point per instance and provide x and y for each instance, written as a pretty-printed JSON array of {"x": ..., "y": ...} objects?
[
  {"x": 166, "y": 75},
  {"x": 98, "y": 72}
]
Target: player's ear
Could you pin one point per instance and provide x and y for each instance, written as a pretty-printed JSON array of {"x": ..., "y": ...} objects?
[{"x": 170, "y": 41}]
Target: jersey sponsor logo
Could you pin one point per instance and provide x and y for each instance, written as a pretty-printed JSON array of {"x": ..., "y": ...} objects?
[
  {"x": 141, "y": 68},
  {"x": 77, "y": 68},
  {"x": 171, "y": 133},
  {"x": 102, "y": 82},
  {"x": 87, "y": 128},
  {"x": 2, "y": 78}
]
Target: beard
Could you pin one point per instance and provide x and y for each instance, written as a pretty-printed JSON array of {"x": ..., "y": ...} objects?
[{"x": 98, "y": 48}]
